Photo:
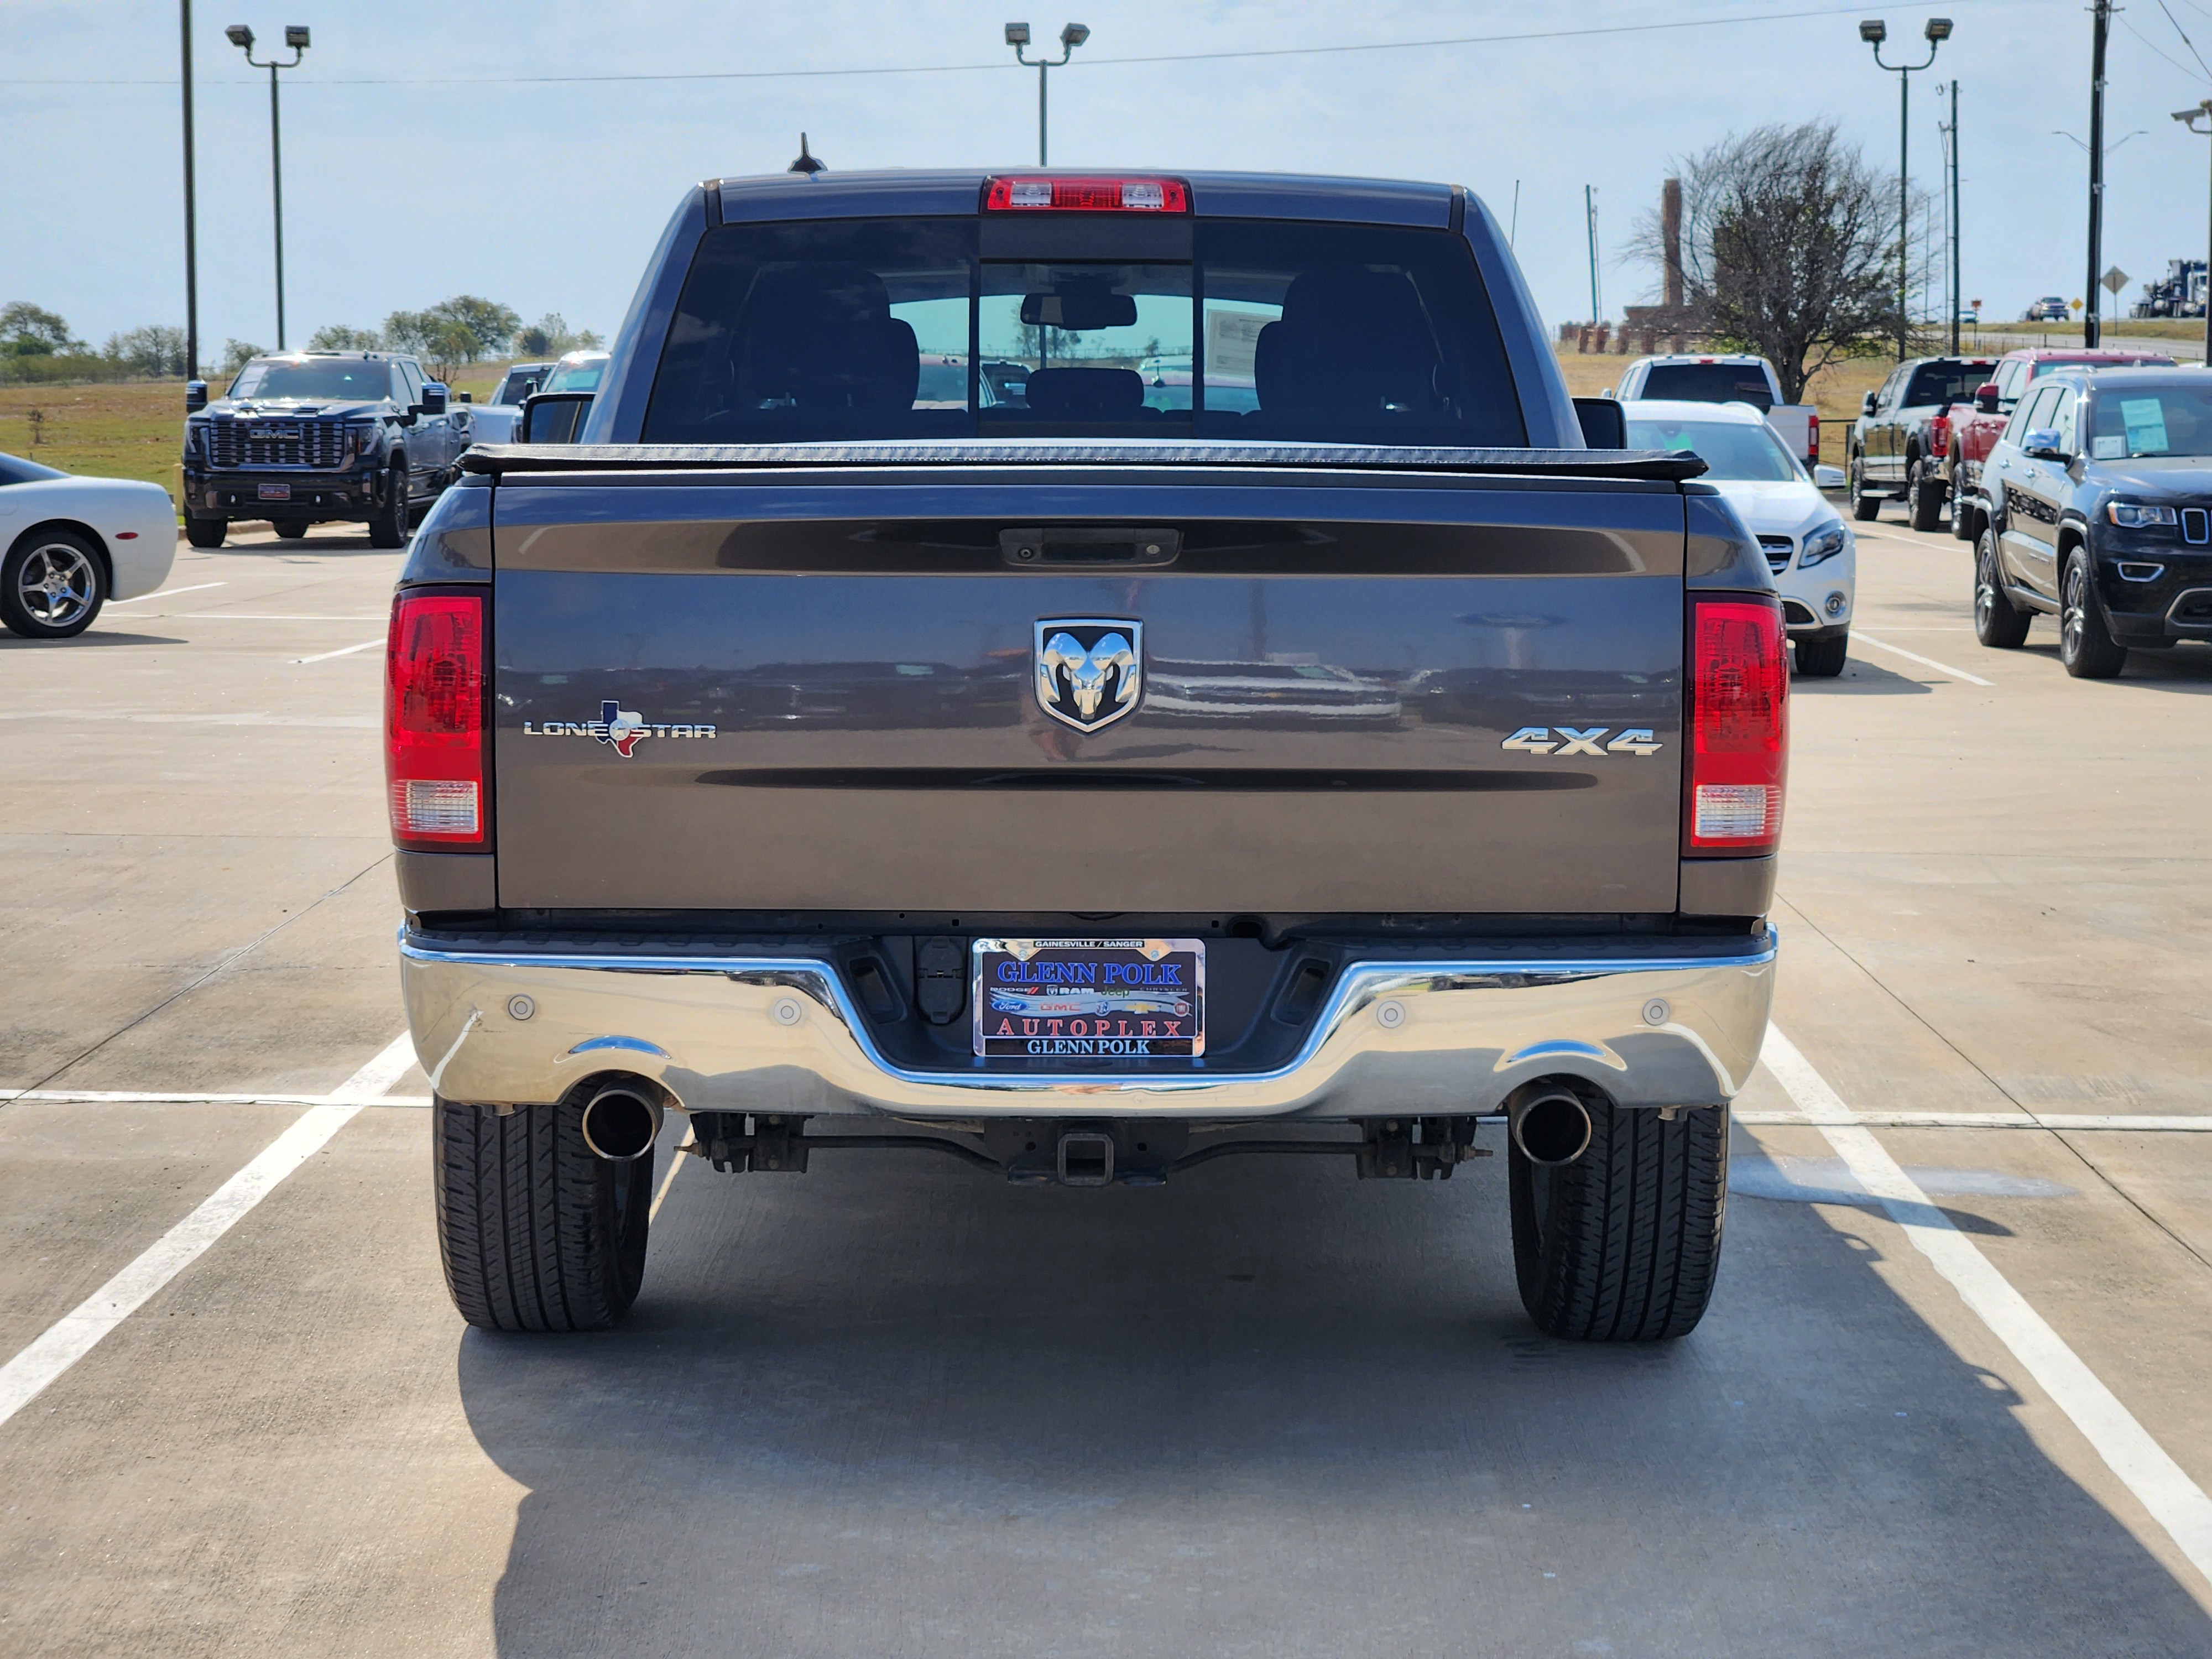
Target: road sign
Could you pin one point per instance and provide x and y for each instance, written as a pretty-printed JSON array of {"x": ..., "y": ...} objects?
[{"x": 2114, "y": 280}]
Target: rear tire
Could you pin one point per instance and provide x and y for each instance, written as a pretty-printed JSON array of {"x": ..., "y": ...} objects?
[
  {"x": 1823, "y": 659},
  {"x": 1863, "y": 506},
  {"x": 1923, "y": 495},
  {"x": 205, "y": 533},
  {"x": 1998, "y": 622},
  {"x": 1624, "y": 1244},
  {"x": 535, "y": 1234},
  {"x": 1962, "y": 516},
  {"x": 389, "y": 527},
  {"x": 2086, "y": 644}
]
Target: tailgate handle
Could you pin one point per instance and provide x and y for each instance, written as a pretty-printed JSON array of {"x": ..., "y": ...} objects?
[{"x": 1056, "y": 547}]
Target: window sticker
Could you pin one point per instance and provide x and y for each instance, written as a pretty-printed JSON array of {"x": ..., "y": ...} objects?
[
  {"x": 2146, "y": 423},
  {"x": 2108, "y": 449}
]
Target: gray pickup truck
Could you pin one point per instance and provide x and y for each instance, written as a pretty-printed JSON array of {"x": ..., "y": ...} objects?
[{"x": 1319, "y": 751}]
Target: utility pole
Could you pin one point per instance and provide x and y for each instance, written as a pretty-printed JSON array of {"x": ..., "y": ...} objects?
[
  {"x": 1956, "y": 290},
  {"x": 191, "y": 212},
  {"x": 2189, "y": 118},
  {"x": 1590, "y": 216},
  {"x": 2101, "y": 27}
]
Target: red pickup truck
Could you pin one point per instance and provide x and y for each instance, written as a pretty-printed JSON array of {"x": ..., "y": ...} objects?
[{"x": 1961, "y": 437}]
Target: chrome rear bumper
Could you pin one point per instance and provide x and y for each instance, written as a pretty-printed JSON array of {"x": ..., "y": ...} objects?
[{"x": 780, "y": 1034}]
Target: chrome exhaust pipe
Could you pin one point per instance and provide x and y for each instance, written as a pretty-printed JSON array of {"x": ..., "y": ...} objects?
[
  {"x": 621, "y": 1121},
  {"x": 1549, "y": 1124}
]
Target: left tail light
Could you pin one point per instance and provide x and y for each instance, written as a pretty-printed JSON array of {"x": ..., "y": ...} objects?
[
  {"x": 1939, "y": 435},
  {"x": 433, "y": 720},
  {"x": 1739, "y": 727},
  {"x": 1813, "y": 440}
]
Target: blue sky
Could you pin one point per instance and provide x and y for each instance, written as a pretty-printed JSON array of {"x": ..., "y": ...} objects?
[{"x": 458, "y": 173}]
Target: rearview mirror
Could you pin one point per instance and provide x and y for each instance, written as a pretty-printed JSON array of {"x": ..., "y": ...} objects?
[
  {"x": 434, "y": 398},
  {"x": 552, "y": 417},
  {"x": 2044, "y": 444},
  {"x": 1871, "y": 402},
  {"x": 466, "y": 397},
  {"x": 195, "y": 396},
  {"x": 1829, "y": 478},
  {"x": 1080, "y": 310},
  {"x": 1985, "y": 397}
]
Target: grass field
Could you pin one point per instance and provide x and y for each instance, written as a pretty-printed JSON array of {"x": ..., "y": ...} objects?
[{"x": 126, "y": 429}]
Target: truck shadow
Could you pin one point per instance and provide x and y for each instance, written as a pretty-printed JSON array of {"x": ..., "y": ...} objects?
[
  {"x": 899, "y": 1408},
  {"x": 1860, "y": 678}
]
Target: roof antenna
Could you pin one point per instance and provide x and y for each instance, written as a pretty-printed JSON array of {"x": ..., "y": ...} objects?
[{"x": 806, "y": 163}]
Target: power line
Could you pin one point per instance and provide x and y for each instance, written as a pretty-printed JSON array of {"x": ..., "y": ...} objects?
[
  {"x": 965, "y": 69},
  {"x": 2151, "y": 47},
  {"x": 2185, "y": 40}
]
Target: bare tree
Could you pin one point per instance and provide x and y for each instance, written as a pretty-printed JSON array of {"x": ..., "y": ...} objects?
[{"x": 1788, "y": 247}]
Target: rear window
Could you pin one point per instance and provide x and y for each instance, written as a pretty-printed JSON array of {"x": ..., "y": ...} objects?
[
  {"x": 1709, "y": 383},
  {"x": 1945, "y": 383},
  {"x": 1275, "y": 330}
]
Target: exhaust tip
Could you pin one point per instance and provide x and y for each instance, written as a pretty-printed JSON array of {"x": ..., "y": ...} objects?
[
  {"x": 621, "y": 1122},
  {"x": 1552, "y": 1126}
]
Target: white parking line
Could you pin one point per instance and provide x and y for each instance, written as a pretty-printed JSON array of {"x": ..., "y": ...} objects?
[
  {"x": 267, "y": 616},
  {"x": 2177, "y": 1503},
  {"x": 148, "y": 1097},
  {"x": 78, "y": 1332},
  {"x": 1860, "y": 633},
  {"x": 346, "y": 652},
  {"x": 168, "y": 592},
  {"x": 2064, "y": 1123}
]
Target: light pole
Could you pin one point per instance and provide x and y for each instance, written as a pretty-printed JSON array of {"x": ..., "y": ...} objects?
[
  {"x": 295, "y": 37},
  {"x": 191, "y": 212},
  {"x": 1874, "y": 32},
  {"x": 1071, "y": 37},
  {"x": 2189, "y": 118}
]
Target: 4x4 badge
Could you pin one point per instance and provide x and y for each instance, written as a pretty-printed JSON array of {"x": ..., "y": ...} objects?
[
  {"x": 1089, "y": 669},
  {"x": 1582, "y": 740}
]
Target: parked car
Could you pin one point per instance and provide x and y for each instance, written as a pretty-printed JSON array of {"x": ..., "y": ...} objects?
[
  {"x": 75, "y": 543},
  {"x": 1461, "y": 794},
  {"x": 2051, "y": 308},
  {"x": 1889, "y": 456},
  {"x": 1807, "y": 546},
  {"x": 494, "y": 423},
  {"x": 1960, "y": 437},
  {"x": 2096, "y": 508},
  {"x": 1713, "y": 378},
  {"x": 579, "y": 371},
  {"x": 308, "y": 437}
]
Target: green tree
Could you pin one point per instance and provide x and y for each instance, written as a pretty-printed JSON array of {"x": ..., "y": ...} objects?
[
  {"x": 490, "y": 325},
  {"x": 155, "y": 349},
  {"x": 237, "y": 352},
  {"x": 338, "y": 337},
  {"x": 29, "y": 331}
]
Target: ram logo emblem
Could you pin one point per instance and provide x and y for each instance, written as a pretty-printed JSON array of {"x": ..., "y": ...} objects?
[{"x": 1089, "y": 669}]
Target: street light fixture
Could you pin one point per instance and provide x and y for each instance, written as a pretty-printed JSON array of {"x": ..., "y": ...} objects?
[
  {"x": 2189, "y": 118},
  {"x": 1018, "y": 36},
  {"x": 1874, "y": 32},
  {"x": 296, "y": 38}
]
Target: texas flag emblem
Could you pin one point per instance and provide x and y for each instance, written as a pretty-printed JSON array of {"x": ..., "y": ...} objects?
[{"x": 619, "y": 727}]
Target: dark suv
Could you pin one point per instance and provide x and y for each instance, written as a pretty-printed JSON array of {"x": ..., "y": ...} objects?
[
  {"x": 313, "y": 436},
  {"x": 2096, "y": 505}
]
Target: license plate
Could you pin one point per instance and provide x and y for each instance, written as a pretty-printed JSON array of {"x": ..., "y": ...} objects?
[
  {"x": 1089, "y": 999},
  {"x": 276, "y": 492}
]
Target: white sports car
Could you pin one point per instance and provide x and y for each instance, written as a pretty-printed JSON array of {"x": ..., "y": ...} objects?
[{"x": 73, "y": 544}]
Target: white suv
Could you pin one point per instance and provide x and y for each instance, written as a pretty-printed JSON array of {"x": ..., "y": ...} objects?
[{"x": 1808, "y": 547}]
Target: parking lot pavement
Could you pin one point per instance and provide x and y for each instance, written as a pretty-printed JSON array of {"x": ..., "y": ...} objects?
[{"x": 900, "y": 1406}]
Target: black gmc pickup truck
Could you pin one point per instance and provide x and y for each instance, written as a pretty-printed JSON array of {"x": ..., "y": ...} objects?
[{"x": 1257, "y": 723}]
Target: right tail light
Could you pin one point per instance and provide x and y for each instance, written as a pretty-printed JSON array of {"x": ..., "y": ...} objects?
[
  {"x": 433, "y": 720},
  {"x": 1812, "y": 441},
  {"x": 1739, "y": 705},
  {"x": 1939, "y": 435}
]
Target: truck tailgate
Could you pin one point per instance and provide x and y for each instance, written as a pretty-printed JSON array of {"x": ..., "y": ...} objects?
[{"x": 768, "y": 691}]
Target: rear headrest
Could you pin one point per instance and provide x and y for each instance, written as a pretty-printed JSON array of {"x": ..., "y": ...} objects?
[
  {"x": 821, "y": 337},
  {"x": 1087, "y": 394},
  {"x": 1349, "y": 341}
]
